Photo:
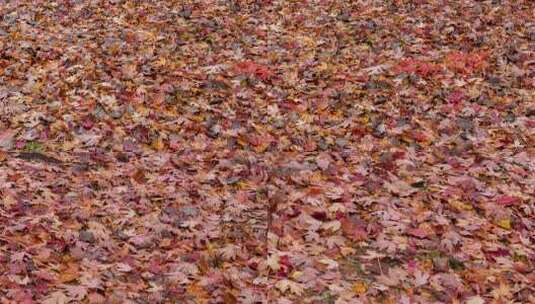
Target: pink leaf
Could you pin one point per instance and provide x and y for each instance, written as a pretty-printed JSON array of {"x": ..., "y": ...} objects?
[
  {"x": 418, "y": 232},
  {"x": 456, "y": 97},
  {"x": 507, "y": 200}
]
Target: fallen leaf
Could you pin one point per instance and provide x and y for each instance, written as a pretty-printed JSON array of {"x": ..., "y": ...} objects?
[
  {"x": 56, "y": 297},
  {"x": 360, "y": 288},
  {"x": 76, "y": 292},
  {"x": 400, "y": 188},
  {"x": 69, "y": 274},
  {"x": 7, "y": 139},
  {"x": 95, "y": 298},
  {"x": 3, "y": 156},
  {"x": 122, "y": 267},
  {"x": 418, "y": 232},
  {"x": 507, "y": 200},
  {"x": 475, "y": 300},
  {"x": 273, "y": 262},
  {"x": 504, "y": 223},
  {"x": 291, "y": 286}
]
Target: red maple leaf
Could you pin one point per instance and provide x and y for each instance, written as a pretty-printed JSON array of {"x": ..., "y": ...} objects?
[
  {"x": 467, "y": 63},
  {"x": 420, "y": 67},
  {"x": 456, "y": 97},
  {"x": 251, "y": 68}
]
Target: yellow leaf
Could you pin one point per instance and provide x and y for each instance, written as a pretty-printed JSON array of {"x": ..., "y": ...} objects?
[
  {"x": 505, "y": 224},
  {"x": 158, "y": 144},
  {"x": 296, "y": 274},
  {"x": 322, "y": 67},
  {"x": 360, "y": 287},
  {"x": 244, "y": 185},
  {"x": 210, "y": 248},
  {"x": 197, "y": 118},
  {"x": 161, "y": 62},
  {"x": 460, "y": 205},
  {"x": 69, "y": 145}
]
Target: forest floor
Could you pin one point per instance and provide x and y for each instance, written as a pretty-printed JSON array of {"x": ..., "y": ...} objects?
[{"x": 267, "y": 151}]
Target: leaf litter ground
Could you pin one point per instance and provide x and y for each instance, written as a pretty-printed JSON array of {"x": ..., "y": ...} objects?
[{"x": 267, "y": 151}]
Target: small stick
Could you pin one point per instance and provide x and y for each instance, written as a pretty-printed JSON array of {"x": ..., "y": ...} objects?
[{"x": 380, "y": 268}]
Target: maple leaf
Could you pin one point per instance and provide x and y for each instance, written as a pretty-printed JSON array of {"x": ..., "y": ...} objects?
[
  {"x": 20, "y": 296},
  {"x": 331, "y": 264},
  {"x": 95, "y": 298},
  {"x": 504, "y": 223},
  {"x": 475, "y": 300},
  {"x": 7, "y": 139},
  {"x": 418, "y": 232},
  {"x": 323, "y": 162},
  {"x": 467, "y": 63},
  {"x": 388, "y": 280},
  {"x": 419, "y": 67},
  {"x": 291, "y": 286},
  {"x": 335, "y": 241},
  {"x": 354, "y": 229},
  {"x": 250, "y": 68},
  {"x": 507, "y": 200},
  {"x": 215, "y": 69},
  {"x": 76, "y": 292},
  {"x": 400, "y": 188},
  {"x": 502, "y": 292},
  {"x": 376, "y": 70},
  {"x": 122, "y": 267},
  {"x": 56, "y": 297},
  {"x": 420, "y": 278},
  {"x": 360, "y": 287},
  {"x": 229, "y": 252},
  {"x": 273, "y": 262},
  {"x": 90, "y": 281},
  {"x": 332, "y": 226},
  {"x": 456, "y": 97},
  {"x": 99, "y": 230}
]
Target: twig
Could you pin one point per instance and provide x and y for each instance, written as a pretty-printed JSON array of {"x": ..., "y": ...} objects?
[{"x": 380, "y": 268}]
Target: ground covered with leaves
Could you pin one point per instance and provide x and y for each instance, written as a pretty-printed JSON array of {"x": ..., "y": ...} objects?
[{"x": 267, "y": 151}]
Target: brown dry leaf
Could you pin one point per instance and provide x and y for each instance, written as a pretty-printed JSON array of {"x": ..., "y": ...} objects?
[
  {"x": 139, "y": 176},
  {"x": 69, "y": 274},
  {"x": 3, "y": 156},
  {"x": 57, "y": 297},
  {"x": 290, "y": 286},
  {"x": 400, "y": 188}
]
